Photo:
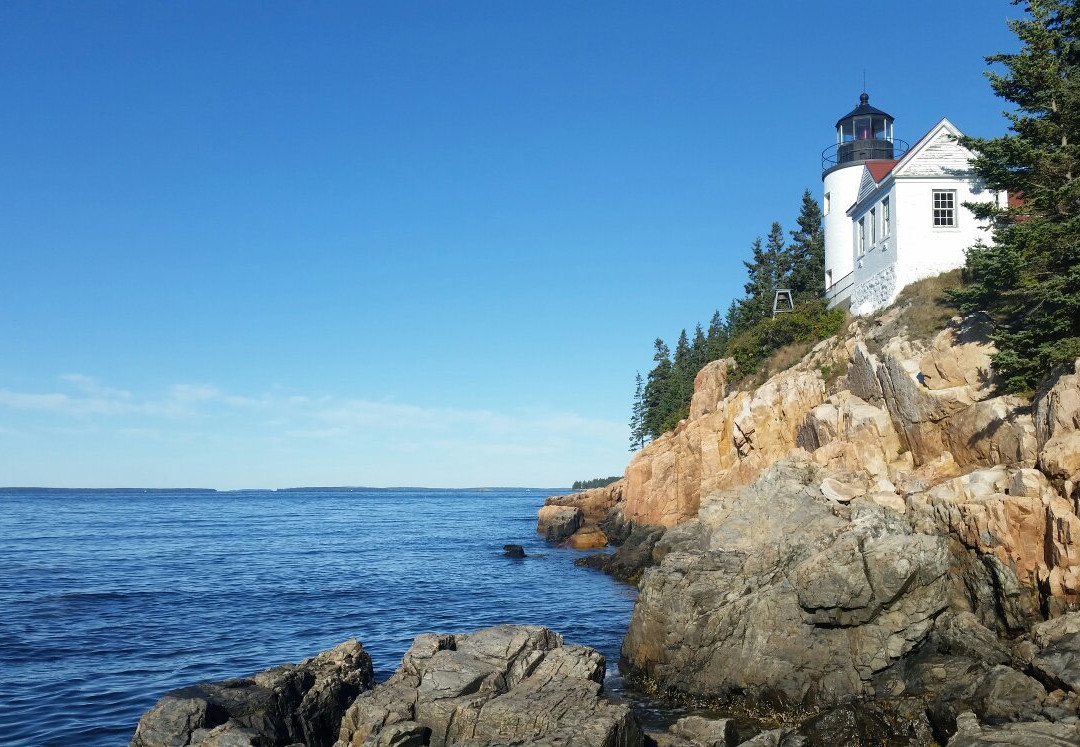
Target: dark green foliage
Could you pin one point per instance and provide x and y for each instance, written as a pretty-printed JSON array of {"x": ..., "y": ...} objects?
[
  {"x": 657, "y": 391},
  {"x": 596, "y": 482},
  {"x": 809, "y": 322},
  {"x": 637, "y": 415},
  {"x": 747, "y": 332},
  {"x": 806, "y": 252},
  {"x": 1028, "y": 280}
]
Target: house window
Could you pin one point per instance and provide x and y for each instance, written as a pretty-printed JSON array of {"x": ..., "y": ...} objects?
[
  {"x": 862, "y": 236},
  {"x": 828, "y": 279},
  {"x": 944, "y": 207},
  {"x": 828, "y": 202},
  {"x": 873, "y": 225},
  {"x": 885, "y": 217}
]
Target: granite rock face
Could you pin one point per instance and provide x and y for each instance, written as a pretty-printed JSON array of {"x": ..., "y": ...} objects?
[
  {"x": 914, "y": 427},
  {"x": 774, "y": 592},
  {"x": 558, "y": 523},
  {"x": 505, "y": 685},
  {"x": 290, "y": 704}
]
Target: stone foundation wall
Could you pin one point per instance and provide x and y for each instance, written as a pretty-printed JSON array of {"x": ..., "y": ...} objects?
[{"x": 875, "y": 293}]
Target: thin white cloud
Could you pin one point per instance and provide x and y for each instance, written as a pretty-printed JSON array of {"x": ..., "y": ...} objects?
[{"x": 313, "y": 417}]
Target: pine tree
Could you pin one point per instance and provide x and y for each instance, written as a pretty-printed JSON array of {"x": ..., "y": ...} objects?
[
  {"x": 806, "y": 252},
  {"x": 637, "y": 415},
  {"x": 1029, "y": 278}
]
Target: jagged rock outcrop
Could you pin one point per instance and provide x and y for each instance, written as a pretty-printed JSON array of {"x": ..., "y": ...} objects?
[
  {"x": 778, "y": 593},
  {"x": 593, "y": 509},
  {"x": 558, "y": 523},
  {"x": 875, "y": 522},
  {"x": 903, "y": 423},
  {"x": 290, "y": 704},
  {"x": 728, "y": 439},
  {"x": 1057, "y": 428},
  {"x": 505, "y": 685}
]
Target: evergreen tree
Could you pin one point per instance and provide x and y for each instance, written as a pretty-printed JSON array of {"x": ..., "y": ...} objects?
[
  {"x": 716, "y": 338},
  {"x": 1029, "y": 278},
  {"x": 781, "y": 263},
  {"x": 657, "y": 391},
  {"x": 637, "y": 415},
  {"x": 682, "y": 366},
  {"x": 699, "y": 350},
  {"x": 806, "y": 252},
  {"x": 759, "y": 287}
]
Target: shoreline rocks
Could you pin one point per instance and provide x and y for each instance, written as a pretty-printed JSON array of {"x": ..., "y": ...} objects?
[
  {"x": 872, "y": 555},
  {"x": 292, "y": 703},
  {"x": 505, "y": 685}
]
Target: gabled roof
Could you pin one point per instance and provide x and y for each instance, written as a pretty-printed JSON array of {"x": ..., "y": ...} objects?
[
  {"x": 915, "y": 150},
  {"x": 881, "y": 171}
]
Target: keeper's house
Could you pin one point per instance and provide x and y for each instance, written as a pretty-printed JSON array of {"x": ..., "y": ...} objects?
[{"x": 894, "y": 215}]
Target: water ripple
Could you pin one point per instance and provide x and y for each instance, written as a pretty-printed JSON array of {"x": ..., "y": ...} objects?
[{"x": 110, "y": 599}]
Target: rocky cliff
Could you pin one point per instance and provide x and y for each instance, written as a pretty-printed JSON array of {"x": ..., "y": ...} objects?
[{"x": 830, "y": 531}]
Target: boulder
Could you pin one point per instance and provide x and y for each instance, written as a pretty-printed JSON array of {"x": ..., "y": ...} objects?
[
  {"x": 558, "y": 523},
  {"x": 970, "y": 733},
  {"x": 775, "y": 592},
  {"x": 499, "y": 686},
  {"x": 587, "y": 538},
  {"x": 704, "y": 732},
  {"x": 514, "y": 551},
  {"x": 1058, "y": 664},
  {"x": 292, "y": 703}
]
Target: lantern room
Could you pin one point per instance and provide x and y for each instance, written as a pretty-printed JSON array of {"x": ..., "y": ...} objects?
[{"x": 863, "y": 134}]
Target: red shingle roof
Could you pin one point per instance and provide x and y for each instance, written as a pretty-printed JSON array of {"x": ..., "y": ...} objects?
[{"x": 880, "y": 169}]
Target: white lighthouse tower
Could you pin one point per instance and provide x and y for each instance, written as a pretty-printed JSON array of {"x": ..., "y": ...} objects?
[{"x": 864, "y": 134}]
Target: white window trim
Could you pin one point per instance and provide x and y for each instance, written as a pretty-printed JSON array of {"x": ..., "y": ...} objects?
[{"x": 954, "y": 217}]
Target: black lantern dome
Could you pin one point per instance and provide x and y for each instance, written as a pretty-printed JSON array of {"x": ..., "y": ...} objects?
[{"x": 863, "y": 134}]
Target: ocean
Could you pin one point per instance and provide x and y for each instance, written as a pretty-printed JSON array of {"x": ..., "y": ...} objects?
[{"x": 110, "y": 598}]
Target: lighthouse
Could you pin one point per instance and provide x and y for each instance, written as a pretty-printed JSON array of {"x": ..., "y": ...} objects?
[{"x": 863, "y": 136}]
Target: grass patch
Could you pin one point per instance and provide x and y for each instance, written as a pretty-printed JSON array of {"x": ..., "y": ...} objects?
[{"x": 927, "y": 310}]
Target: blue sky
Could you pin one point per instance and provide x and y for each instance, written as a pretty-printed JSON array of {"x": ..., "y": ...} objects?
[{"x": 404, "y": 243}]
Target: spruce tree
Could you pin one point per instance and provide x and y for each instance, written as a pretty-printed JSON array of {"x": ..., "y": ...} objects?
[
  {"x": 716, "y": 338},
  {"x": 781, "y": 263},
  {"x": 637, "y": 415},
  {"x": 682, "y": 382},
  {"x": 699, "y": 350},
  {"x": 1028, "y": 279},
  {"x": 806, "y": 252},
  {"x": 657, "y": 391},
  {"x": 760, "y": 285}
]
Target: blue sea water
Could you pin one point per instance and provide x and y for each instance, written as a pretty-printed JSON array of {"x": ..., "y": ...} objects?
[{"x": 108, "y": 599}]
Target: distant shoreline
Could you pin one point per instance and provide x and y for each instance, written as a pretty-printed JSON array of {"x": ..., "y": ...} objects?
[{"x": 324, "y": 489}]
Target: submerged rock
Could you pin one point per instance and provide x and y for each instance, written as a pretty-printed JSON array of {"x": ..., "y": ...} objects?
[
  {"x": 514, "y": 551},
  {"x": 631, "y": 558},
  {"x": 293, "y": 703}
]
